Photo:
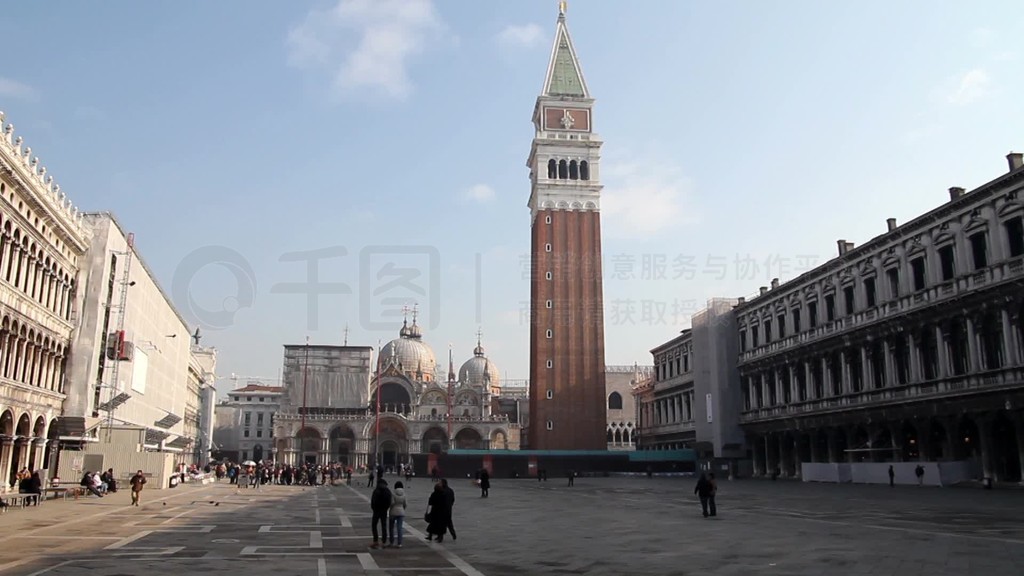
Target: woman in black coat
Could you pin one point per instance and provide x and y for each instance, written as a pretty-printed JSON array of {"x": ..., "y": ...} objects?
[
  {"x": 485, "y": 483},
  {"x": 438, "y": 514}
]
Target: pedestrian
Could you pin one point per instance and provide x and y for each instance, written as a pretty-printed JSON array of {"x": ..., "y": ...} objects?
[
  {"x": 396, "y": 515},
  {"x": 485, "y": 483},
  {"x": 380, "y": 503},
  {"x": 572, "y": 477},
  {"x": 892, "y": 477},
  {"x": 919, "y": 471},
  {"x": 137, "y": 482},
  {"x": 450, "y": 502},
  {"x": 705, "y": 490},
  {"x": 370, "y": 482},
  {"x": 439, "y": 514}
]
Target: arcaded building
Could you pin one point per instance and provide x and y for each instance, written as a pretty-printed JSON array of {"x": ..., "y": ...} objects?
[
  {"x": 907, "y": 348},
  {"x": 42, "y": 243},
  {"x": 567, "y": 369},
  {"x": 333, "y": 394}
]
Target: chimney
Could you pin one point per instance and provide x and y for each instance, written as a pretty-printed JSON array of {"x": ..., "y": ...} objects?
[
  {"x": 891, "y": 223},
  {"x": 764, "y": 289},
  {"x": 1015, "y": 159},
  {"x": 775, "y": 283},
  {"x": 842, "y": 246},
  {"x": 849, "y": 246},
  {"x": 955, "y": 192},
  {"x": 741, "y": 300}
]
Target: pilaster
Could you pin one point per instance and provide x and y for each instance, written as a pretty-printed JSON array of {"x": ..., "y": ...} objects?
[{"x": 973, "y": 364}]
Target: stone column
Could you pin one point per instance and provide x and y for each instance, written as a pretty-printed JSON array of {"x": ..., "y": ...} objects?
[
  {"x": 913, "y": 358},
  {"x": 813, "y": 436},
  {"x": 793, "y": 395},
  {"x": 952, "y": 428},
  {"x": 826, "y": 377},
  {"x": 896, "y": 439},
  {"x": 850, "y": 439},
  {"x": 325, "y": 450},
  {"x": 796, "y": 459},
  {"x": 888, "y": 366},
  {"x": 1008, "y": 339},
  {"x": 1018, "y": 427},
  {"x": 809, "y": 380},
  {"x": 834, "y": 457},
  {"x": 943, "y": 350},
  {"x": 973, "y": 365},
  {"x": 769, "y": 462},
  {"x": 6, "y": 454},
  {"x": 867, "y": 379},
  {"x": 984, "y": 424},
  {"x": 37, "y": 446},
  {"x": 21, "y": 449},
  {"x": 758, "y": 455},
  {"x": 783, "y": 456},
  {"x": 845, "y": 373},
  {"x": 924, "y": 439}
]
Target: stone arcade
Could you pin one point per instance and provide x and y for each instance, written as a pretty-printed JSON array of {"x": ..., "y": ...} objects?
[{"x": 907, "y": 348}]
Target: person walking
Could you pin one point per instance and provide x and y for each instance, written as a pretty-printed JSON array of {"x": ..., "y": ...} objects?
[
  {"x": 705, "y": 490},
  {"x": 892, "y": 477},
  {"x": 485, "y": 486},
  {"x": 439, "y": 514},
  {"x": 137, "y": 482},
  {"x": 450, "y": 499},
  {"x": 380, "y": 503},
  {"x": 572, "y": 477},
  {"x": 919, "y": 472},
  {"x": 396, "y": 515}
]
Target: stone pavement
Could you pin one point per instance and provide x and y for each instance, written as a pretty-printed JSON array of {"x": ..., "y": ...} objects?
[{"x": 614, "y": 526}]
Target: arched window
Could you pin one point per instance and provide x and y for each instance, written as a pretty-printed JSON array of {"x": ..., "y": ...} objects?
[
  {"x": 618, "y": 436},
  {"x": 584, "y": 170},
  {"x": 574, "y": 171},
  {"x": 615, "y": 401},
  {"x": 610, "y": 437},
  {"x": 552, "y": 169},
  {"x": 563, "y": 170}
]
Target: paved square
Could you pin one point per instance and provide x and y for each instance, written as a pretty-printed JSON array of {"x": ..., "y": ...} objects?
[{"x": 613, "y": 526}]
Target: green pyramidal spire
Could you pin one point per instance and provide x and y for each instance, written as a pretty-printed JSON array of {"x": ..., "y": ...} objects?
[{"x": 565, "y": 78}]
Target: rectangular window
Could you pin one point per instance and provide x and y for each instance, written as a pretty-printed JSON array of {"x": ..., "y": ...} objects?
[
  {"x": 248, "y": 418},
  {"x": 259, "y": 420},
  {"x": 686, "y": 362},
  {"x": 262, "y": 399},
  {"x": 548, "y": 304},
  {"x": 812, "y": 314},
  {"x": 782, "y": 325},
  {"x": 979, "y": 250},
  {"x": 918, "y": 269},
  {"x": 743, "y": 340},
  {"x": 947, "y": 258},
  {"x": 848, "y": 297},
  {"x": 796, "y": 321},
  {"x": 246, "y": 433},
  {"x": 259, "y": 433},
  {"x": 551, "y": 425},
  {"x": 755, "y": 334},
  {"x": 869, "y": 291},
  {"x": 1015, "y": 236},
  {"x": 767, "y": 331},
  {"x": 893, "y": 275},
  {"x": 830, "y": 307},
  {"x": 550, "y": 364},
  {"x": 550, "y": 394}
]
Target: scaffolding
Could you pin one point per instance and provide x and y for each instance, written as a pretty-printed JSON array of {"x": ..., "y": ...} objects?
[{"x": 113, "y": 384}]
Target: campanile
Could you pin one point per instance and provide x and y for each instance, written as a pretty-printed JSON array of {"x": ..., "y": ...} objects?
[{"x": 567, "y": 379}]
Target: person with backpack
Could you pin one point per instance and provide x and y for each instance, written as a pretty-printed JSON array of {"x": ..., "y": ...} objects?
[{"x": 380, "y": 503}]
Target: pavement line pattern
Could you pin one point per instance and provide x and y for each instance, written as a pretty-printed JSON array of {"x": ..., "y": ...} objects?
[
  {"x": 789, "y": 515},
  {"x": 448, "y": 555},
  {"x": 321, "y": 567}
]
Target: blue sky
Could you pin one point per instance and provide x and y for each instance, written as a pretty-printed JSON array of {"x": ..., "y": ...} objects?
[{"x": 396, "y": 132}]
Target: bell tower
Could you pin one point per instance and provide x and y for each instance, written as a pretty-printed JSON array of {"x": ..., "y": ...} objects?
[{"x": 567, "y": 370}]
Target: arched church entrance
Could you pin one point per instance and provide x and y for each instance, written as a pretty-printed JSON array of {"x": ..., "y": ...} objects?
[
  {"x": 343, "y": 444},
  {"x": 257, "y": 452},
  {"x": 391, "y": 443},
  {"x": 308, "y": 445},
  {"x": 435, "y": 441},
  {"x": 468, "y": 439}
]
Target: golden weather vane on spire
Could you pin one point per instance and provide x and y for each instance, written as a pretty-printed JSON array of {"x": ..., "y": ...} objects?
[{"x": 561, "y": 7}]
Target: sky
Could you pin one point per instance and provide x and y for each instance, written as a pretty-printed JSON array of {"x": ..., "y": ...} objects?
[{"x": 386, "y": 140}]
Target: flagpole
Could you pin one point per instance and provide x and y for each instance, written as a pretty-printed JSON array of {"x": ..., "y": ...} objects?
[{"x": 376, "y": 450}]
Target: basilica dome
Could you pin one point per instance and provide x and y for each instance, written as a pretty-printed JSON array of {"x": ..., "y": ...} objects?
[
  {"x": 412, "y": 356},
  {"x": 479, "y": 370}
]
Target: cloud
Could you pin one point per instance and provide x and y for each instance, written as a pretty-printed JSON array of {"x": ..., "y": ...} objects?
[
  {"x": 640, "y": 200},
  {"x": 14, "y": 89},
  {"x": 364, "y": 44},
  {"x": 969, "y": 88},
  {"x": 525, "y": 36},
  {"x": 480, "y": 193}
]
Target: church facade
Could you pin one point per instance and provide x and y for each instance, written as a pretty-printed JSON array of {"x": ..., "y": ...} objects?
[{"x": 341, "y": 404}]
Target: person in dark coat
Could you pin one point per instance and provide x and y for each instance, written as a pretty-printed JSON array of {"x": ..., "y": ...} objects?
[
  {"x": 439, "y": 514},
  {"x": 450, "y": 494},
  {"x": 485, "y": 483},
  {"x": 380, "y": 503},
  {"x": 705, "y": 490}
]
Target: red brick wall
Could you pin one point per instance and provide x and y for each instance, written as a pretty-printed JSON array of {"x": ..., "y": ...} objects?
[{"x": 577, "y": 378}]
